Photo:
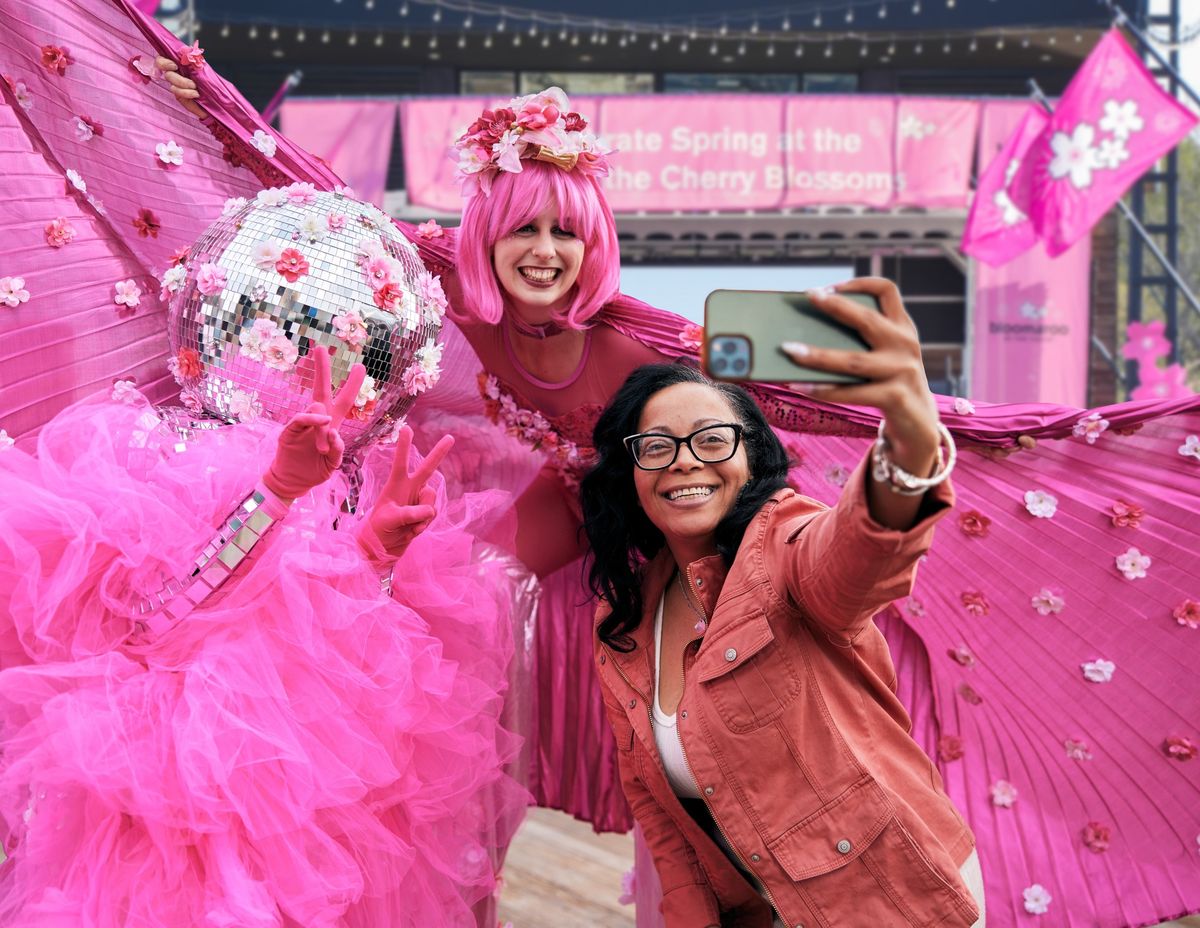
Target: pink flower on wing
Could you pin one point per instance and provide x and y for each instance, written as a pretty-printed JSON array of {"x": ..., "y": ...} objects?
[
  {"x": 963, "y": 406},
  {"x": 1037, "y": 899},
  {"x": 976, "y": 603},
  {"x": 211, "y": 279},
  {"x": 1090, "y": 427},
  {"x": 146, "y": 223},
  {"x": 1098, "y": 671},
  {"x": 430, "y": 229},
  {"x": 692, "y": 337},
  {"x": 350, "y": 328},
  {"x": 13, "y": 292},
  {"x": 1096, "y": 837},
  {"x": 1191, "y": 447},
  {"x": 950, "y": 747},
  {"x": 969, "y": 694},
  {"x": 1041, "y": 504},
  {"x": 192, "y": 56},
  {"x": 962, "y": 654},
  {"x": 127, "y": 293},
  {"x": 1145, "y": 341},
  {"x": 1177, "y": 747},
  {"x": 1126, "y": 514},
  {"x": 388, "y": 297},
  {"x": 1047, "y": 602},
  {"x": 416, "y": 380},
  {"x": 1187, "y": 614},
  {"x": 914, "y": 606},
  {"x": 1133, "y": 564},
  {"x": 179, "y": 255},
  {"x": 20, "y": 91},
  {"x": 974, "y": 523},
  {"x": 837, "y": 475},
  {"x": 1077, "y": 749},
  {"x": 144, "y": 69},
  {"x": 59, "y": 232},
  {"x": 1004, "y": 794},
  {"x": 292, "y": 265},
  {"x": 303, "y": 193},
  {"x": 170, "y": 155},
  {"x": 87, "y": 128},
  {"x": 264, "y": 142},
  {"x": 335, "y": 222},
  {"x": 55, "y": 59},
  {"x": 628, "y": 887},
  {"x": 279, "y": 353},
  {"x": 125, "y": 391}
]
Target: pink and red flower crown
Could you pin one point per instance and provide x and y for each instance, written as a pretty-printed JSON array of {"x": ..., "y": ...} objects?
[{"x": 538, "y": 127}]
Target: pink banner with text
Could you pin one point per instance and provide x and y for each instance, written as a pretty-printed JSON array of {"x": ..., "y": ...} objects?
[
  {"x": 354, "y": 137},
  {"x": 737, "y": 151},
  {"x": 1030, "y": 329}
]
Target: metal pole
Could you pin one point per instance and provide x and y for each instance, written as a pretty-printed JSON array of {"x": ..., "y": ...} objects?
[
  {"x": 1123, "y": 21},
  {"x": 1147, "y": 240}
]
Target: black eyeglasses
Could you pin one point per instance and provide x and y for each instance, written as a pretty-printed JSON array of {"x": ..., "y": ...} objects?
[{"x": 711, "y": 445}]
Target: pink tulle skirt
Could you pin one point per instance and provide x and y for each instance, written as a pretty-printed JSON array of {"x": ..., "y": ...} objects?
[{"x": 305, "y": 752}]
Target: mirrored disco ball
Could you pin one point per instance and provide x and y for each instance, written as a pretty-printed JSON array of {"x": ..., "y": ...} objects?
[{"x": 289, "y": 273}]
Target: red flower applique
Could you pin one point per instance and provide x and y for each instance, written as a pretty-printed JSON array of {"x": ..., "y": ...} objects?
[
  {"x": 59, "y": 232},
  {"x": 55, "y": 59},
  {"x": 143, "y": 69},
  {"x": 962, "y": 654},
  {"x": 1177, "y": 747},
  {"x": 976, "y": 603},
  {"x": 192, "y": 56},
  {"x": 187, "y": 362},
  {"x": 575, "y": 122},
  {"x": 388, "y": 297},
  {"x": 974, "y": 523},
  {"x": 146, "y": 223},
  {"x": 1187, "y": 613},
  {"x": 1097, "y": 837},
  {"x": 1126, "y": 514},
  {"x": 950, "y": 747},
  {"x": 292, "y": 265},
  {"x": 179, "y": 255}
]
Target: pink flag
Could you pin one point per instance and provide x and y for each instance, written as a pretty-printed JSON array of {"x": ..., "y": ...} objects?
[
  {"x": 997, "y": 229},
  {"x": 1112, "y": 123}
]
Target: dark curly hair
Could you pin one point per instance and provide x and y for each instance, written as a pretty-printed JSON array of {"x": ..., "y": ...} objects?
[{"x": 622, "y": 538}]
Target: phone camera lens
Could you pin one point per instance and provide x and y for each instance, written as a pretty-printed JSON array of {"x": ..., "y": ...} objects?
[
  {"x": 729, "y": 346},
  {"x": 719, "y": 365},
  {"x": 739, "y": 365}
]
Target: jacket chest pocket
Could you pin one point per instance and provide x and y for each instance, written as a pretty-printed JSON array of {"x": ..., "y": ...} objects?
[{"x": 749, "y": 675}]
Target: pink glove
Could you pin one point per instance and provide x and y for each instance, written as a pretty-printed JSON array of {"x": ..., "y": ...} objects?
[
  {"x": 406, "y": 504},
  {"x": 310, "y": 448}
]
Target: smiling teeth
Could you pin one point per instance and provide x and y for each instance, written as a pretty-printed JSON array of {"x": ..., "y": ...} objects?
[
  {"x": 689, "y": 493},
  {"x": 541, "y": 275}
]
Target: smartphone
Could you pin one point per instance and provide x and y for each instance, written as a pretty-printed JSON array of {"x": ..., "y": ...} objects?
[{"x": 743, "y": 330}]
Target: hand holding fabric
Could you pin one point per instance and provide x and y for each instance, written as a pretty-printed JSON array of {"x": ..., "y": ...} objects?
[
  {"x": 310, "y": 448},
  {"x": 406, "y": 503}
]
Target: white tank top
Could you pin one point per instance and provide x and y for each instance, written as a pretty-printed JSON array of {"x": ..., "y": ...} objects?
[{"x": 666, "y": 735}]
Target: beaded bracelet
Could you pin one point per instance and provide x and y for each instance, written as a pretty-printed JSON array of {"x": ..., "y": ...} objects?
[{"x": 900, "y": 481}]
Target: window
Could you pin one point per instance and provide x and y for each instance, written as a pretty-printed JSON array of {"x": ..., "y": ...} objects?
[
  {"x": 831, "y": 83},
  {"x": 730, "y": 83},
  {"x": 486, "y": 83},
  {"x": 587, "y": 82}
]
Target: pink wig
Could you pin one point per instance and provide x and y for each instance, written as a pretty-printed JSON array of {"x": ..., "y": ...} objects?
[{"x": 515, "y": 200}]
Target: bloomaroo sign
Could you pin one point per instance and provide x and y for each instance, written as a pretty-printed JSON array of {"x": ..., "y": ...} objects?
[{"x": 737, "y": 152}]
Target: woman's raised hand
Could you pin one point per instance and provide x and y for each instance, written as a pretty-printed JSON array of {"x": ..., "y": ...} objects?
[
  {"x": 892, "y": 369},
  {"x": 183, "y": 88},
  {"x": 406, "y": 504},
  {"x": 310, "y": 448}
]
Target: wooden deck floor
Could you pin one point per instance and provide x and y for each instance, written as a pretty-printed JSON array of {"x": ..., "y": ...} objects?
[{"x": 560, "y": 874}]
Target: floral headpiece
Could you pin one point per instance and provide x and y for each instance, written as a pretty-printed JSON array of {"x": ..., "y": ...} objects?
[{"x": 538, "y": 127}]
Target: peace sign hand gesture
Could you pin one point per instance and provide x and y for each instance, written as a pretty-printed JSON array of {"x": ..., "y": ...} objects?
[
  {"x": 310, "y": 448},
  {"x": 406, "y": 504}
]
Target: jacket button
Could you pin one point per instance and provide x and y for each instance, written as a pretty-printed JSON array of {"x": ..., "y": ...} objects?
[
  {"x": 684, "y": 713},
  {"x": 632, "y": 703},
  {"x": 699, "y": 581},
  {"x": 708, "y": 791},
  {"x": 731, "y": 654},
  {"x": 603, "y": 658},
  {"x": 843, "y": 846},
  {"x": 755, "y": 858}
]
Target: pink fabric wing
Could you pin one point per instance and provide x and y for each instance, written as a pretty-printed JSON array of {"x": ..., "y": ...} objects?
[{"x": 1110, "y": 125}]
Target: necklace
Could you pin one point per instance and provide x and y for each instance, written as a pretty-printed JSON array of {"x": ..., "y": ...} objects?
[
  {"x": 701, "y": 620},
  {"x": 531, "y": 329}
]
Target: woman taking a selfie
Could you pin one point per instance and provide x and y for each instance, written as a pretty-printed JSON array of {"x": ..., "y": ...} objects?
[{"x": 762, "y": 747}]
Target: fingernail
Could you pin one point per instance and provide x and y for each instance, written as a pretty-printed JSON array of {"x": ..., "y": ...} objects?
[
  {"x": 820, "y": 292},
  {"x": 796, "y": 348}
]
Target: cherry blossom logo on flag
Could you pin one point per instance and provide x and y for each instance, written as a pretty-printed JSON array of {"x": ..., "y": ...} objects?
[{"x": 1111, "y": 124}]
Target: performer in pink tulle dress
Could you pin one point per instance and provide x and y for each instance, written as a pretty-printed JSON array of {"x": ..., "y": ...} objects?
[{"x": 1047, "y": 654}]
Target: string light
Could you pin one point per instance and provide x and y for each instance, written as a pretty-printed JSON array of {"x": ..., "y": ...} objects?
[
  {"x": 437, "y": 14},
  {"x": 300, "y": 36},
  {"x": 252, "y": 32},
  {"x": 225, "y": 31},
  {"x": 487, "y": 41},
  {"x": 771, "y": 50},
  {"x": 973, "y": 46},
  {"x": 741, "y": 49},
  {"x": 883, "y": 11},
  {"x": 533, "y": 28},
  {"x": 916, "y": 7},
  {"x": 403, "y": 9},
  {"x": 799, "y": 49},
  {"x": 654, "y": 45},
  {"x": 574, "y": 38},
  {"x": 712, "y": 49},
  {"x": 353, "y": 40},
  {"x": 754, "y": 27},
  {"x": 433, "y": 41},
  {"x": 918, "y": 48},
  {"x": 469, "y": 21},
  {"x": 829, "y": 50},
  {"x": 325, "y": 37},
  {"x": 724, "y": 30},
  {"x": 863, "y": 51},
  {"x": 1000, "y": 42},
  {"x": 500, "y": 26},
  {"x": 946, "y": 49},
  {"x": 516, "y": 39},
  {"x": 274, "y": 34},
  {"x": 850, "y": 15},
  {"x": 462, "y": 41},
  {"x": 546, "y": 41},
  {"x": 891, "y": 49},
  {"x": 369, "y": 4},
  {"x": 683, "y": 46},
  {"x": 786, "y": 25},
  {"x": 378, "y": 39},
  {"x": 817, "y": 20},
  {"x": 406, "y": 41}
]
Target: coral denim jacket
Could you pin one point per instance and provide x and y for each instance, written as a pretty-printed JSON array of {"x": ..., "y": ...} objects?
[{"x": 792, "y": 729}]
